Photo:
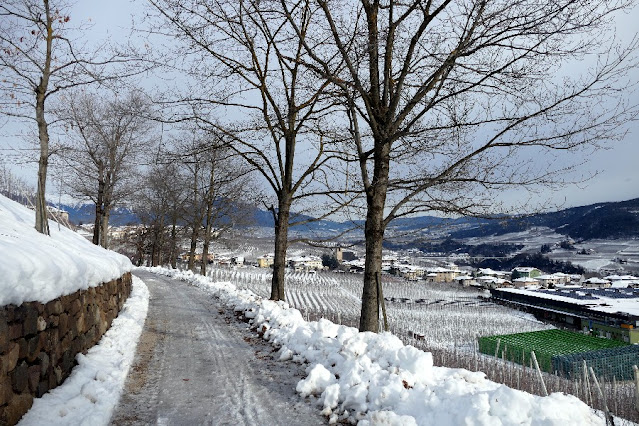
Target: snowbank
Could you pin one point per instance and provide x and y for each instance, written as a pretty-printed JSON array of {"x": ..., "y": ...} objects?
[
  {"x": 93, "y": 389},
  {"x": 374, "y": 379},
  {"x": 35, "y": 267}
]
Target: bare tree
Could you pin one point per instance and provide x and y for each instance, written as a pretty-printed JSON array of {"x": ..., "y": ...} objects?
[
  {"x": 160, "y": 205},
  {"x": 38, "y": 62},
  {"x": 217, "y": 190},
  {"x": 451, "y": 96},
  {"x": 247, "y": 60},
  {"x": 107, "y": 139}
]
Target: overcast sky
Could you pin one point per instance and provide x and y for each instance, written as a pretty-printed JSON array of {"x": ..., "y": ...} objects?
[{"x": 617, "y": 167}]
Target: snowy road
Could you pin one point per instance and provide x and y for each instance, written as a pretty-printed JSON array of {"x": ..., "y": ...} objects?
[{"x": 197, "y": 364}]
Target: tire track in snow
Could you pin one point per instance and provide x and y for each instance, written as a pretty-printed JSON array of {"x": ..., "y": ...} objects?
[{"x": 196, "y": 364}]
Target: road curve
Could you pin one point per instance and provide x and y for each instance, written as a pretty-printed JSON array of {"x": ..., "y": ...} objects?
[{"x": 197, "y": 365}]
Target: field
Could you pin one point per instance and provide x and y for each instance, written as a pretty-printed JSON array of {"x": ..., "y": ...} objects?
[{"x": 444, "y": 319}]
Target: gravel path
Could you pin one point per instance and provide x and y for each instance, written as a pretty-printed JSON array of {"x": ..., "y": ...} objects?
[{"x": 197, "y": 364}]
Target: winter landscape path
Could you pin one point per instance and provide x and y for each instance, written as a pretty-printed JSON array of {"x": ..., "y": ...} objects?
[{"x": 197, "y": 364}]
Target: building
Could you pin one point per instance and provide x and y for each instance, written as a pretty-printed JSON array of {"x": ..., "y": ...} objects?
[
  {"x": 344, "y": 255},
  {"x": 441, "y": 275},
  {"x": 607, "y": 313},
  {"x": 595, "y": 282},
  {"x": 410, "y": 272},
  {"x": 522, "y": 282},
  {"x": 305, "y": 263},
  {"x": 525, "y": 272},
  {"x": 266, "y": 260},
  {"x": 487, "y": 272}
]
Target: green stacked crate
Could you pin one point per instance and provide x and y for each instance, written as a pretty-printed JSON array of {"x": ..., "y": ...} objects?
[{"x": 546, "y": 344}]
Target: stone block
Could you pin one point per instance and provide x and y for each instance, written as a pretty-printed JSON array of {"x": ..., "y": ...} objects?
[
  {"x": 54, "y": 321},
  {"x": 11, "y": 312},
  {"x": 19, "y": 377},
  {"x": 64, "y": 324},
  {"x": 15, "y": 331},
  {"x": 4, "y": 331},
  {"x": 54, "y": 307},
  {"x": 52, "y": 340},
  {"x": 43, "y": 387},
  {"x": 44, "y": 361},
  {"x": 30, "y": 324},
  {"x": 41, "y": 324},
  {"x": 90, "y": 338},
  {"x": 80, "y": 323},
  {"x": 5, "y": 390},
  {"x": 33, "y": 348},
  {"x": 33, "y": 375},
  {"x": 17, "y": 407},
  {"x": 75, "y": 307},
  {"x": 67, "y": 362},
  {"x": 23, "y": 347},
  {"x": 57, "y": 373},
  {"x": 12, "y": 356}
]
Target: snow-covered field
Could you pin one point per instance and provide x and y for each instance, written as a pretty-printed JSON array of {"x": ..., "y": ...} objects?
[
  {"x": 375, "y": 379},
  {"x": 446, "y": 315}
]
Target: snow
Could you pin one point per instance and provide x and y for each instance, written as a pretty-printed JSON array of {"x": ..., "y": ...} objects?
[
  {"x": 36, "y": 267},
  {"x": 89, "y": 395},
  {"x": 375, "y": 379},
  {"x": 601, "y": 304}
]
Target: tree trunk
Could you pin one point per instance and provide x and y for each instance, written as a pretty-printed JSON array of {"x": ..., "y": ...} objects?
[
  {"x": 205, "y": 249},
  {"x": 104, "y": 237},
  {"x": 42, "y": 222},
  {"x": 97, "y": 224},
  {"x": 281, "y": 244},
  {"x": 374, "y": 234},
  {"x": 374, "y": 231},
  {"x": 99, "y": 208},
  {"x": 172, "y": 250},
  {"x": 192, "y": 249}
]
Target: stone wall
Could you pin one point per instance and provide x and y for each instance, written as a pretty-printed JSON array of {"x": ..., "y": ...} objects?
[{"x": 39, "y": 342}]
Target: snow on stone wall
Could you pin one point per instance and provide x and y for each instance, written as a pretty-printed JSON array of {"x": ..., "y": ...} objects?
[
  {"x": 39, "y": 342},
  {"x": 36, "y": 267}
]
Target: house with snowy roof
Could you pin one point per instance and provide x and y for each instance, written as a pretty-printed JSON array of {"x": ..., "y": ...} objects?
[
  {"x": 522, "y": 282},
  {"x": 411, "y": 272},
  {"x": 550, "y": 280},
  {"x": 266, "y": 260},
  {"x": 466, "y": 280},
  {"x": 488, "y": 281},
  {"x": 595, "y": 282},
  {"x": 305, "y": 263},
  {"x": 441, "y": 275},
  {"x": 487, "y": 272}
]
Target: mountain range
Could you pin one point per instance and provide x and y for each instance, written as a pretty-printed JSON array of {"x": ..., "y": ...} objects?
[{"x": 597, "y": 221}]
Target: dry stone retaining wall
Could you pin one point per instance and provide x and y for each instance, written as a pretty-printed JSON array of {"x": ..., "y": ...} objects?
[{"x": 39, "y": 342}]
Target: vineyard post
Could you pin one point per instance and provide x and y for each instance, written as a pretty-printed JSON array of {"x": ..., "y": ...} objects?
[
  {"x": 586, "y": 384},
  {"x": 614, "y": 392},
  {"x": 380, "y": 298},
  {"x": 609, "y": 419},
  {"x": 541, "y": 378},
  {"x": 636, "y": 371}
]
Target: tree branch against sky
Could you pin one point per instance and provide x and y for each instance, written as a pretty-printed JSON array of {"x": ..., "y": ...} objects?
[
  {"x": 446, "y": 98},
  {"x": 251, "y": 86},
  {"x": 105, "y": 142},
  {"x": 40, "y": 60}
]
